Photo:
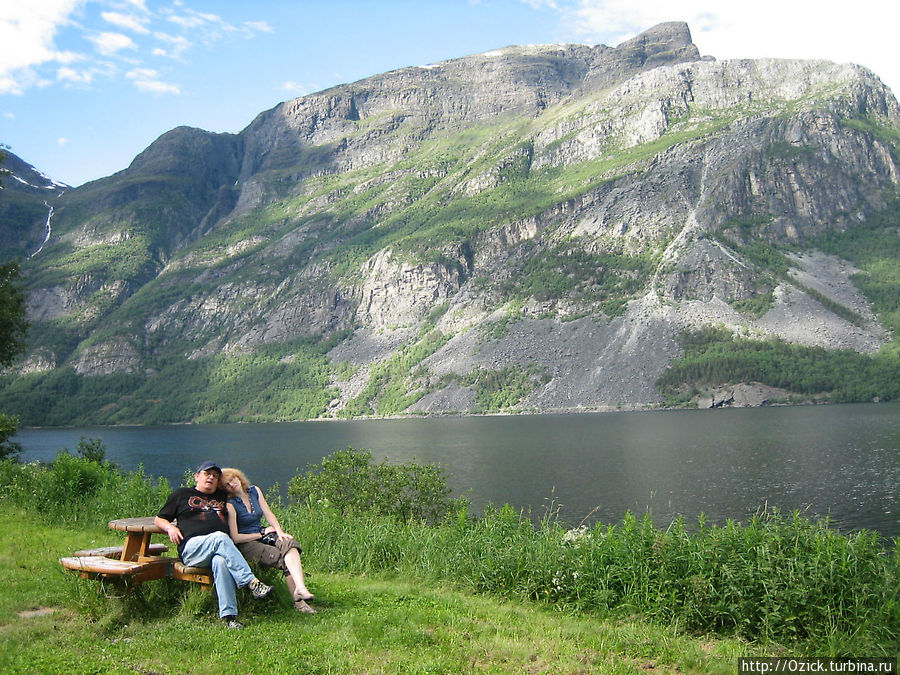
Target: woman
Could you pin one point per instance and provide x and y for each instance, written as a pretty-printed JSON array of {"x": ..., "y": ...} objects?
[{"x": 246, "y": 508}]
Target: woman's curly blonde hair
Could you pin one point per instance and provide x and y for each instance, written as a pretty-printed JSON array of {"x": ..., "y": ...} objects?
[{"x": 229, "y": 473}]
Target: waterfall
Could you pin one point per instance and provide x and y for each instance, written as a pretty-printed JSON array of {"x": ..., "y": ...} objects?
[{"x": 47, "y": 235}]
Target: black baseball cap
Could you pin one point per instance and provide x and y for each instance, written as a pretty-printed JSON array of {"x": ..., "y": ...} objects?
[{"x": 207, "y": 465}]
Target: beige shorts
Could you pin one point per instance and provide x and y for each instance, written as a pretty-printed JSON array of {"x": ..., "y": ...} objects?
[{"x": 270, "y": 556}]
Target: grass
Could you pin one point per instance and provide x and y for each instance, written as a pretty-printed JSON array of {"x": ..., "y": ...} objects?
[
  {"x": 457, "y": 593},
  {"x": 52, "y": 621}
]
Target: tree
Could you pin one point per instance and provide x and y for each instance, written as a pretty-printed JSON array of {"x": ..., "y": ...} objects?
[
  {"x": 13, "y": 327},
  {"x": 9, "y": 425}
]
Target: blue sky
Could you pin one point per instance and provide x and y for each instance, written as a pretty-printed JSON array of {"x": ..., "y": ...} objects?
[{"x": 85, "y": 85}]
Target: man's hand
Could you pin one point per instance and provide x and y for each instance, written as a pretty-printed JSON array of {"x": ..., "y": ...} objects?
[
  {"x": 174, "y": 534},
  {"x": 170, "y": 529}
]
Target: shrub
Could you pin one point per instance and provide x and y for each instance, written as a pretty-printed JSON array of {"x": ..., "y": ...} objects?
[
  {"x": 713, "y": 357},
  {"x": 348, "y": 481},
  {"x": 92, "y": 449},
  {"x": 75, "y": 488},
  {"x": 9, "y": 425},
  {"x": 779, "y": 579}
]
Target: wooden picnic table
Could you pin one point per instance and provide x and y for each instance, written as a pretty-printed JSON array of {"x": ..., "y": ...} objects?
[
  {"x": 137, "y": 560},
  {"x": 137, "y": 538}
]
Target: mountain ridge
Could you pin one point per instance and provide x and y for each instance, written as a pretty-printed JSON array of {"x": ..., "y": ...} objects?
[{"x": 544, "y": 218}]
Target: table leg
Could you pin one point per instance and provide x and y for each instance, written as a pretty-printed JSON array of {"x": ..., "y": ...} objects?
[{"x": 136, "y": 544}]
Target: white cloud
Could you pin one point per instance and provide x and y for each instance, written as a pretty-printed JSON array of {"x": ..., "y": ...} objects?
[
  {"x": 186, "y": 21},
  {"x": 138, "y": 4},
  {"x": 142, "y": 74},
  {"x": 147, "y": 80},
  {"x": 862, "y": 33},
  {"x": 27, "y": 32},
  {"x": 109, "y": 44},
  {"x": 294, "y": 88},
  {"x": 190, "y": 20},
  {"x": 31, "y": 29},
  {"x": 157, "y": 87},
  {"x": 67, "y": 74},
  {"x": 68, "y": 57},
  {"x": 62, "y": 141},
  {"x": 126, "y": 21},
  {"x": 177, "y": 45},
  {"x": 259, "y": 26}
]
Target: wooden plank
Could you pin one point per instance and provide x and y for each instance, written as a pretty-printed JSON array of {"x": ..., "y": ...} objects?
[
  {"x": 152, "y": 569},
  {"x": 110, "y": 568},
  {"x": 145, "y": 568},
  {"x": 116, "y": 551},
  {"x": 143, "y": 524},
  {"x": 99, "y": 564},
  {"x": 197, "y": 575}
]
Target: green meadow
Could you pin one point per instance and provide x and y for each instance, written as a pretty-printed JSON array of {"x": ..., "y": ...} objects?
[{"x": 407, "y": 580}]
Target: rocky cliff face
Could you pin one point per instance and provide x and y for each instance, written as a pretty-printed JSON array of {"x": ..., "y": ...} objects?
[
  {"x": 26, "y": 199},
  {"x": 558, "y": 210}
]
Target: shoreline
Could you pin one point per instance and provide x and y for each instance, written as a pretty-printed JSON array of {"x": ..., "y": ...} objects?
[{"x": 514, "y": 413}]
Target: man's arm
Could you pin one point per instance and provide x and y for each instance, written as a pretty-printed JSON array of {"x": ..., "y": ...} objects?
[{"x": 170, "y": 529}]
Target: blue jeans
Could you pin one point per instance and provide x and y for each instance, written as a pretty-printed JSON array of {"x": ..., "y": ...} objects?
[{"x": 230, "y": 570}]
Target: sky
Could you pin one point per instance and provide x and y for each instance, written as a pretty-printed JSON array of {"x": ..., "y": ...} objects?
[{"x": 86, "y": 85}]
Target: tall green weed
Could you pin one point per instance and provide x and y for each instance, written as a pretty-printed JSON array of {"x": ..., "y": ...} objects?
[
  {"x": 78, "y": 489},
  {"x": 776, "y": 578}
]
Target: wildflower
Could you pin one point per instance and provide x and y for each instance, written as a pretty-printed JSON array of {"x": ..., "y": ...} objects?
[{"x": 577, "y": 535}]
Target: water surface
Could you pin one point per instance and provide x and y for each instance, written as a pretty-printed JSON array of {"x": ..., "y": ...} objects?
[{"x": 840, "y": 461}]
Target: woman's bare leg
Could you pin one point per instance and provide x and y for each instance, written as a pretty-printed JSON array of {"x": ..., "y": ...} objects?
[{"x": 295, "y": 570}]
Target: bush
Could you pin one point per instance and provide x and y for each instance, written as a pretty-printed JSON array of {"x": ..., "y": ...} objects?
[
  {"x": 92, "y": 449},
  {"x": 9, "y": 425},
  {"x": 348, "y": 481},
  {"x": 712, "y": 357},
  {"x": 74, "y": 488},
  {"x": 72, "y": 479}
]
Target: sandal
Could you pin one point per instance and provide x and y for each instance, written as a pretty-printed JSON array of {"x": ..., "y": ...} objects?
[
  {"x": 303, "y": 595},
  {"x": 301, "y": 606}
]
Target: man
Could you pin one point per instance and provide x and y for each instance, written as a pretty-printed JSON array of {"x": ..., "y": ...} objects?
[{"x": 202, "y": 537}]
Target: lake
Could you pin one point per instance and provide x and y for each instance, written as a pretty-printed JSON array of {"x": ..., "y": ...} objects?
[{"x": 840, "y": 461}]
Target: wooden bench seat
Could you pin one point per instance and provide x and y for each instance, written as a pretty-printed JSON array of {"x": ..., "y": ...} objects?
[
  {"x": 102, "y": 567},
  {"x": 116, "y": 551},
  {"x": 145, "y": 569},
  {"x": 197, "y": 575}
]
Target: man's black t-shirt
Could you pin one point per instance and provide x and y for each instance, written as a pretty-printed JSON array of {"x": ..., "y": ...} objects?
[{"x": 197, "y": 513}]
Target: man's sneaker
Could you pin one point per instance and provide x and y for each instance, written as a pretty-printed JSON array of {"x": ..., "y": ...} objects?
[
  {"x": 258, "y": 589},
  {"x": 232, "y": 622}
]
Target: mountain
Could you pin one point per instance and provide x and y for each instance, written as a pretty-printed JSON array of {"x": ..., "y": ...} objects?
[
  {"x": 551, "y": 227},
  {"x": 26, "y": 196}
]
